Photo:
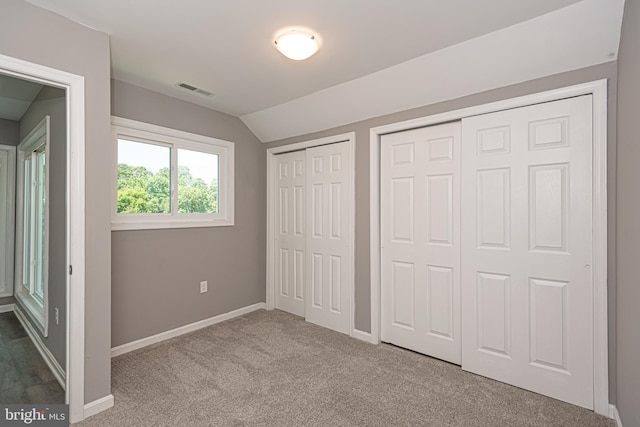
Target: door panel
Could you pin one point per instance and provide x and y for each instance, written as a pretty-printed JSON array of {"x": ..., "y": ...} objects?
[
  {"x": 420, "y": 217},
  {"x": 290, "y": 236},
  {"x": 527, "y": 307},
  {"x": 328, "y": 247}
]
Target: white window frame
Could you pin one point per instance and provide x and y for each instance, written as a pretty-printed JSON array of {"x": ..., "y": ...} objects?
[
  {"x": 152, "y": 134},
  {"x": 7, "y": 217},
  {"x": 37, "y": 309}
]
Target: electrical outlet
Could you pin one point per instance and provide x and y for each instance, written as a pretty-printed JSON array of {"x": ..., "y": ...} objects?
[
  {"x": 203, "y": 287},
  {"x": 57, "y": 315}
]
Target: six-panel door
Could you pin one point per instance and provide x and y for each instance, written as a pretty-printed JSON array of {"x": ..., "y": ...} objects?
[
  {"x": 420, "y": 254},
  {"x": 527, "y": 307},
  {"x": 329, "y": 219},
  {"x": 290, "y": 232}
]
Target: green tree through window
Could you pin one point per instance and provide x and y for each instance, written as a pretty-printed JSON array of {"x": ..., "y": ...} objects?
[{"x": 142, "y": 191}]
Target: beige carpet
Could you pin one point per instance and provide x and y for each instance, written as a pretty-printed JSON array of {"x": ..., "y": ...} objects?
[{"x": 274, "y": 369}]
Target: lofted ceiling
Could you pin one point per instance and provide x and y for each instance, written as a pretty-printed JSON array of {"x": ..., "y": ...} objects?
[{"x": 226, "y": 47}]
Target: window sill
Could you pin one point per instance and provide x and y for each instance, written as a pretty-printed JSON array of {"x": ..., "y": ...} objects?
[
  {"x": 34, "y": 311},
  {"x": 161, "y": 225}
]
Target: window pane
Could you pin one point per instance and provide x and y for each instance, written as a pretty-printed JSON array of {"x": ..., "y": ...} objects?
[
  {"x": 26, "y": 226},
  {"x": 144, "y": 184},
  {"x": 197, "y": 182},
  {"x": 40, "y": 209}
]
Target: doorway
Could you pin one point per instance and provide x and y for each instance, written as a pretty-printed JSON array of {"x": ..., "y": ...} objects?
[
  {"x": 71, "y": 262},
  {"x": 33, "y": 121}
]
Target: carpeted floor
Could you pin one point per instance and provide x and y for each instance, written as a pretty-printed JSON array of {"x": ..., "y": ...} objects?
[{"x": 270, "y": 368}]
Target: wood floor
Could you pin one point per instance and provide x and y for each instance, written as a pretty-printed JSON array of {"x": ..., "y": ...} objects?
[{"x": 24, "y": 376}]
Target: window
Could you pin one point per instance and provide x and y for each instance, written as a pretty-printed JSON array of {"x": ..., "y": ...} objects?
[
  {"x": 166, "y": 178},
  {"x": 33, "y": 223}
]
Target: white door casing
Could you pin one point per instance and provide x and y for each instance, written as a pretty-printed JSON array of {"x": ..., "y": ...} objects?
[
  {"x": 289, "y": 232},
  {"x": 527, "y": 285},
  {"x": 420, "y": 238},
  {"x": 329, "y": 212},
  {"x": 75, "y": 221}
]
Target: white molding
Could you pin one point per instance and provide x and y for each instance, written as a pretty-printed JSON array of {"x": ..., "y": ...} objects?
[
  {"x": 175, "y": 139},
  {"x": 38, "y": 311},
  {"x": 374, "y": 232},
  {"x": 350, "y": 138},
  {"x": 98, "y": 405},
  {"x": 615, "y": 415},
  {"x": 163, "y": 336},
  {"x": 75, "y": 251},
  {"x": 51, "y": 361},
  {"x": 7, "y": 193},
  {"x": 599, "y": 91},
  {"x": 363, "y": 336},
  {"x": 7, "y": 308}
]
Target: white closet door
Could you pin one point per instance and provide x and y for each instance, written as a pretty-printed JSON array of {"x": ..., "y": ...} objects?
[
  {"x": 329, "y": 213},
  {"x": 290, "y": 232},
  {"x": 420, "y": 217},
  {"x": 526, "y": 248}
]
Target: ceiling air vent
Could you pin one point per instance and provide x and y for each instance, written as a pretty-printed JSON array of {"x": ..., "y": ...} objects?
[{"x": 191, "y": 88}]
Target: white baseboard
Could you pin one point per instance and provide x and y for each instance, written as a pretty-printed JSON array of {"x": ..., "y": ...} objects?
[
  {"x": 51, "y": 361},
  {"x": 363, "y": 336},
  {"x": 98, "y": 405},
  {"x": 144, "y": 342},
  {"x": 6, "y": 308},
  {"x": 613, "y": 414}
]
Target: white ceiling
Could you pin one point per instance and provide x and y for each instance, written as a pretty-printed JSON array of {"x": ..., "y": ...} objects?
[
  {"x": 16, "y": 96},
  {"x": 225, "y": 46}
]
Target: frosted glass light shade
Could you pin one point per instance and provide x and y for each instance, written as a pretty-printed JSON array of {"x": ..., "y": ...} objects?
[{"x": 296, "y": 44}]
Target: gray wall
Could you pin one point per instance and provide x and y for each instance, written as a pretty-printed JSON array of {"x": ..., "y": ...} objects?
[
  {"x": 36, "y": 35},
  {"x": 9, "y": 135},
  {"x": 51, "y": 101},
  {"x": 7, "y": 300},
  {"x": 156, "y": 273},
  {"x": 628, "y": 314},
  {"x": 9, "y": 132},
  {"x": 362, "y": 264}
]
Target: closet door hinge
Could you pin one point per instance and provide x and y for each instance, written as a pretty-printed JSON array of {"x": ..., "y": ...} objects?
[{"x": 70, "y": 270}]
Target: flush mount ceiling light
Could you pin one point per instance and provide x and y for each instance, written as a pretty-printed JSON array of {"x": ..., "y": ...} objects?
[{"x": 297, "y": 44}]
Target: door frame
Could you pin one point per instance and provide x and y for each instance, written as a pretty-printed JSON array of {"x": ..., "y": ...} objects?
[
  {"x": 598, "y": 89},
  {"x": 350, "y": 139},
  {"x": 75, "y": 217}
]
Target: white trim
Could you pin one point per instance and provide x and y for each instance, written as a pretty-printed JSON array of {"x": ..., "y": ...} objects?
[
  {"x": 8, "y": 194},
  {"x": 98, "y": 405},
  {"x": 7, "y": 308},
  {"x": 350, "y": 138},
  {"x": 599, "y": 91},
  {"x": 163, "y": 336},
  {"x": 175, "y": 139},
  {"x": 37, "y": 310},
  {"x": 75, "y": 251},
  {"x": 51, "y": 361},
  {"x": 615, "y": 415},
  {"x": 363, "y": 336}
]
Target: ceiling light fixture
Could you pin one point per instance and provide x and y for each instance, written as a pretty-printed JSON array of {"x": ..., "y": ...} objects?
[{"x": 297, "y": 44}]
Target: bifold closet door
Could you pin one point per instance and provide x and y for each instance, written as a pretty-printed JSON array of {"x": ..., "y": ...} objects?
[
  {"x": 420, "y": 237},
  {"x": 329, "y": 218},
  {"x": 290, "y": 232},
  {"x": 527, "y": 289}
]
